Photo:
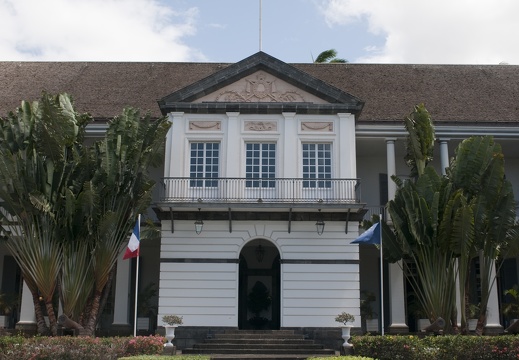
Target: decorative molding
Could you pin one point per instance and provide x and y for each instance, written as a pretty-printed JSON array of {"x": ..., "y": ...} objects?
[
  {"x": 319, "y": 261},
  {"x": 261, "y": 125},
  {"x": 260, "y": 88},
  {"x": 316, "y": 126},
  {"x": 200, "y": 261},
  {"x": 205, "y": 125}
]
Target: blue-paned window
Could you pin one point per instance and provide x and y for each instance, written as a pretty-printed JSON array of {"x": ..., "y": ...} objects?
[
  {"x": 317, "y": 164},
  {"x": 204, "y": 164},
  {"x": 260, "y": 164}
]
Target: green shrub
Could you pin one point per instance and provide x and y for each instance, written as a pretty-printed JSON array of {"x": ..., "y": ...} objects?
[
  {"x": 78, "y": 348},
  {"x": 449, "y": 347},
  {"x": 341, "y": 358},
  {"x": 145, "y": 345}
]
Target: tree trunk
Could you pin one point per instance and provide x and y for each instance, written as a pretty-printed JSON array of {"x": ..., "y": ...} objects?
[
  {"x": 481, "y": 324},
  {"x": 52, "y": 318},
  {"x": 91, "y": 321},
  {"x": 106, "y": 292},
  {"x": 43, "y": 329}
]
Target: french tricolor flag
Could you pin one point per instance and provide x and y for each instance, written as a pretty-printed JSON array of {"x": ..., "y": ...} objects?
[{"x": 132, "y": 250}]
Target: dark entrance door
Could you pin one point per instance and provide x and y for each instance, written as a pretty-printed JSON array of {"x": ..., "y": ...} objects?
[{"x": 259, "y": 279}]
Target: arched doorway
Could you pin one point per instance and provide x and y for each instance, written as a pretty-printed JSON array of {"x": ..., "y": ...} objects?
[{"x": 259, "y": 279}]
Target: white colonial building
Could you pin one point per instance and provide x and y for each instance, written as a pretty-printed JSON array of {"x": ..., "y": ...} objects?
[{"x": 269, "y": 168}]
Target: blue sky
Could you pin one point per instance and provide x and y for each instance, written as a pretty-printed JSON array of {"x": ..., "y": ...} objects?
[{"x": 362, "y": 31}]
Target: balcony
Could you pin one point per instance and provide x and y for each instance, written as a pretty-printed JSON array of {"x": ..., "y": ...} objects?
[{"x": 269, "y": 193}]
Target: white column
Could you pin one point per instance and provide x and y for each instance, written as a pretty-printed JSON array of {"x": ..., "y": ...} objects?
[
  {"x": 345, "y": 132},
  {"x": 444, "y": 154},
  {"x": 396, "y": 275},
  {"x": 27, "y": 314},
  {"x": 174, "y": 161},
  {"x": 122, "y": 292},
  {"x": 290, "y": 151},
  {"x": 493, "y": 325},
  {"x": 233, "y": 152},
  {"x": 391, "y": 167}
]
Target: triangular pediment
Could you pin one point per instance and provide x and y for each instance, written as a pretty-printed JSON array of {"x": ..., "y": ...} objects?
[
  {"x": 261, "y": 87},
  {"x": 260, "y": 83}
]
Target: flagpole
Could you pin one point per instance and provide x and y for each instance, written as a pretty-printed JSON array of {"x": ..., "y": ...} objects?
[
  {"x": 136, "y": 284},
  {"x": 381, "y": 280}
]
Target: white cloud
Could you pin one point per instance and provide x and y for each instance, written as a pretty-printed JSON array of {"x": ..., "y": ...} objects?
[
  {"x": 95, "y": 30},
  {"x": 441, "y": 31}
]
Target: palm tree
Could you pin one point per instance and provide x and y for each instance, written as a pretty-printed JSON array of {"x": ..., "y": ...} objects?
[
  {"x": 40, "y": 151},
  {"x": 442, "y": 223},
  {"x": 329, "y": 56},
  {"x": 69, "y": 210}
]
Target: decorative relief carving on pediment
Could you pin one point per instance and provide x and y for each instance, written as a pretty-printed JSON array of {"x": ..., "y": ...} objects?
[
  {"x": 261, "y": 125},
  {"x": 205, "y": 125},
  {"x": 260, "y": 87},
  {"x": 316, "y": 126}
]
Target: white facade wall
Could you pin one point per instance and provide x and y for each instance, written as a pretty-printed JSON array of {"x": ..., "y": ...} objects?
[
  {"x": 288, "y": 134},
  {"x": 199, "y": 274},
  {"x": 205, "y": 293}
]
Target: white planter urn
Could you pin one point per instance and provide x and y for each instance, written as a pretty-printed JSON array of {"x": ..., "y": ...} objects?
[
  {"x": 372, "y": 325},
  {"x": 170, "y": 334},
  {"x": 421, "y": 324},
  {"x": 472, "y": 324},
  {"x": 346, "y": 329}
]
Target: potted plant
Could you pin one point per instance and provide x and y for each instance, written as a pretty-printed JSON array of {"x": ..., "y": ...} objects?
[
  {"x": 8, "y": 304},
  {"x": 171, "y": 321},
  {"x": 146, "y": 309},
  {"x": 369, "y": 317},
  {"x": 510, "y": 309},
  {"x": 415, "y": 308},
  {"x": 472, "y": 315},
  {"x": 346, "y": 320}
]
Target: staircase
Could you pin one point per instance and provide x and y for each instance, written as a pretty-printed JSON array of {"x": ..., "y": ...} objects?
[{"x": 259, "y": 344}]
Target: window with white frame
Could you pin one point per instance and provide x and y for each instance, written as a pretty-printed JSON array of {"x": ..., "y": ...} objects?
[
  {"x": 204, "y": 164},
  {"x": 317, "y": 164},
  {"x": 260, "y": 164}
]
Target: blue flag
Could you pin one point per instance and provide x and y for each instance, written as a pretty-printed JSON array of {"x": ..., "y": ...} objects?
[{"x": 370, "y": 236}]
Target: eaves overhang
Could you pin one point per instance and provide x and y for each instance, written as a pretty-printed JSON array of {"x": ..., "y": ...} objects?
[{"x": 259, "y": 108}]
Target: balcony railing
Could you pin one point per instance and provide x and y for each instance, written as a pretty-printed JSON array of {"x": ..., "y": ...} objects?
[{"x": 272, "y": 190}]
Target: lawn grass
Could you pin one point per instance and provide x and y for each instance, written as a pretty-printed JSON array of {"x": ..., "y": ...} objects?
[
  {"x": 203, "y": 357},
  {"x": 167, "y": 357}
]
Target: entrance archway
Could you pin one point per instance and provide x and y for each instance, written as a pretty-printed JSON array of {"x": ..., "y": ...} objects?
[{"x": 259, "y": 278}]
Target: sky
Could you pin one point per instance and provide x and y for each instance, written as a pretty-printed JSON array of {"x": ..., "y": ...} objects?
[{"x": 294, "y": 31}]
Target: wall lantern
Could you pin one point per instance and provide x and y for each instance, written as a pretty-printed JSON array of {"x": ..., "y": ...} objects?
[
  {"x": 320, "y": 224},
  {"x": 199, "y": 224},
  {"x": 260, "y": 253}
]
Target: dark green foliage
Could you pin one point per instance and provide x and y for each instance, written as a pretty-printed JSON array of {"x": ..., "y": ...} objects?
[
  {"x": 450, "y": 347},
  {"x": 75, "y": 205},
  {"x": 420, "y": 139},
  {"x": 440, "y": 223},
  {"x": 329, "y": 56}
]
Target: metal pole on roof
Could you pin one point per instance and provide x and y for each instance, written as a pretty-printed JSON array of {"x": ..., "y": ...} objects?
[{"x": 259, "y": 25}]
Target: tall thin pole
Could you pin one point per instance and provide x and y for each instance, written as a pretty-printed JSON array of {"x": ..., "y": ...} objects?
[
  {"x": 136, "y": 284},
  {"x": 259, "y": 25},
  {"x": 381, "y": 279}
]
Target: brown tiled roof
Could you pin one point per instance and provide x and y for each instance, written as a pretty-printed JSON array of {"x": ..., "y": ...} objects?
[{"x": 451, "y": 93}]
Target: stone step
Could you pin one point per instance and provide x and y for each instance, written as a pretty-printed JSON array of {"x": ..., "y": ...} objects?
[
  {"x": 256, "y": 341},
  {"x": 277, "y": 332},
  {"x": 264, "y": 336},
  {"x": 284, "y": 346},
  {"x": 259, "y": 344},
  {"x": 258, "y": 351}
]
